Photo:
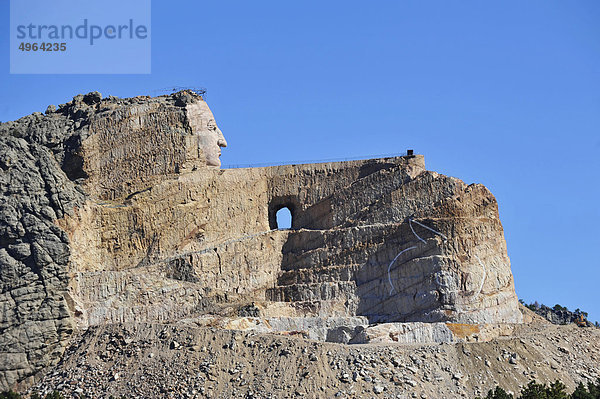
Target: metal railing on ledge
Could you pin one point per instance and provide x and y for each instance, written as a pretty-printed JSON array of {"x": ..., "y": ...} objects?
[{"x": 356, "y": 158}]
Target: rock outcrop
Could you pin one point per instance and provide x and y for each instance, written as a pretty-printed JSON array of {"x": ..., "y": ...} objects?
[
  {"x": 34, "y": 252},
  {"x": 115, "y": 210},
  {"x": 561, "y": 315}
]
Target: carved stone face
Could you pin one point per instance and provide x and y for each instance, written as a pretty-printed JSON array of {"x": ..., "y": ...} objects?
[
  {"x": 210, "y": 137},
  {"x": 211, "y": 141}
]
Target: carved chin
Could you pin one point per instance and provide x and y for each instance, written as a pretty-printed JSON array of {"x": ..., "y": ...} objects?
[
  {"x": 212, "y": 161},
  {"x": 212, "y": 155}
]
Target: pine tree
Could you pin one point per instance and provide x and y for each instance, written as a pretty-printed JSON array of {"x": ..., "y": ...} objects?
[
  {"x": 581, "y": 393},
  {"x": 534, "y": 390}
]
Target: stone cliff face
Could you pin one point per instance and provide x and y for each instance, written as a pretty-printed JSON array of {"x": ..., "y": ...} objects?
[
  {"x": 34, "y": 252},
  {"x": 115, "y": 210}
]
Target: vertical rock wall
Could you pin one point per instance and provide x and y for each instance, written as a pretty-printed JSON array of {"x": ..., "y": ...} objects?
[
  {"x": 34, "y": 254},
  {"x": 113, "y": 210}
]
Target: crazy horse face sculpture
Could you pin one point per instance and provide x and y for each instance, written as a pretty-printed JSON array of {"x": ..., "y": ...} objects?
[{"x": 210, "y": 137}]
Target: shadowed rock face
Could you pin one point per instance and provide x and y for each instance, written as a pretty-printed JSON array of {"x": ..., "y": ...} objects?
[
  {"x": 115, "y": 210},
  {"x": 34, "y": 253}
]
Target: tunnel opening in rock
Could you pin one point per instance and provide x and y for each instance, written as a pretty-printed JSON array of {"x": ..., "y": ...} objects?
[
  {"x": 283, "y": 218},
  {"x": 283, "y": 213}
]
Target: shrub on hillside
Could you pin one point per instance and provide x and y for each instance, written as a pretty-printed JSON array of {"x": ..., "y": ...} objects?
[{"x": 556, "y": 390}]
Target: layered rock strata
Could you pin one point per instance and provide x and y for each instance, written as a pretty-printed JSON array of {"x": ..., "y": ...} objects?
[{"x": 115, "y": 210}]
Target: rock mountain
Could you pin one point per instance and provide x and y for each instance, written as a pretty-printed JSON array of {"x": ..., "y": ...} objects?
[{"x": 116, "y": 211}]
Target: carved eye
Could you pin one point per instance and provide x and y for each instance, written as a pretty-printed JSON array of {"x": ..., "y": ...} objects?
[{"x": 211, "y": 125}]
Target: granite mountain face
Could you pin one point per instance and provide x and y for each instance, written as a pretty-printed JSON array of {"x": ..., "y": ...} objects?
[{"x": 116, "y": 211}]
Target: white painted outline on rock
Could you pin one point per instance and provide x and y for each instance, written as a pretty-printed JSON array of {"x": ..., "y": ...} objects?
[
  {"x": 390, "y": 267},
  {"x": 483, "y": 279},
  {"x": 410, "y": 220},
  {"x": 428, "y": 228},
  {"x": 413, "y": 231}
]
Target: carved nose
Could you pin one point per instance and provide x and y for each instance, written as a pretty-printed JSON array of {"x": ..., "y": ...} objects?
[{"x": 221, "y": 140}]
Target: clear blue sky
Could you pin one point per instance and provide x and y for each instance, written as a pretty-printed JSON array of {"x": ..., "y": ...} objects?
[{"x": 504, "y": 93}]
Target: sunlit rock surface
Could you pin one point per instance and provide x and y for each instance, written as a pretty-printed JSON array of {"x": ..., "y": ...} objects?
[{"x": 115, "y": 210}]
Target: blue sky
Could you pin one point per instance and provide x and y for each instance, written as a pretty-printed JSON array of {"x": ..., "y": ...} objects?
[{"x": 503, "y": 93}]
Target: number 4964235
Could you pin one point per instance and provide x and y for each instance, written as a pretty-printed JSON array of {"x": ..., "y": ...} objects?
[{"x": 43, "y": 46}]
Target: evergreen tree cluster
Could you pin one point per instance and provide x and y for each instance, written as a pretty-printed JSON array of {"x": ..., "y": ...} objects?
[{"x": 556, "y": 390}]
